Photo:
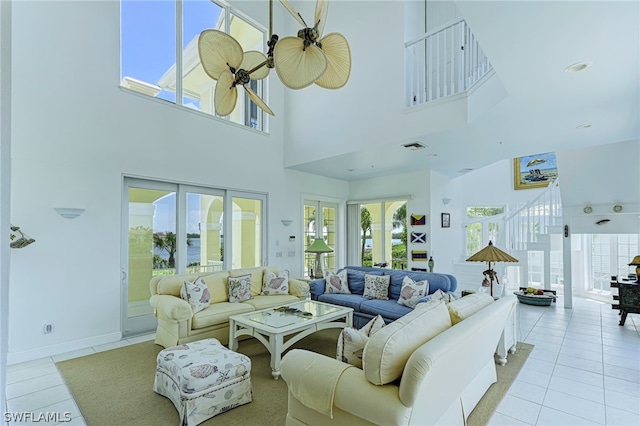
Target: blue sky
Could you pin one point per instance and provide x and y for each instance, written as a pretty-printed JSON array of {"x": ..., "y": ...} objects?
[{"x": 148, "y": 35}]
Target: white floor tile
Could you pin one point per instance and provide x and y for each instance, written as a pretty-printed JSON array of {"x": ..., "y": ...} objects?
[
  {"x": 581, "y": 364},
  {"x": 24, "y": 387},
  {"x": 550, "y": 417},
  {"x": 499, "y": 419},
  {"x": 622, "y": 401},
  {"x": 579, "y": 376},
  {"x": 543, "y": 355},
  {"x": 36, "y": 400},
  {"x": 581, "y": 390},
  {"x": 519, "y": 409},
  {"x": 622, "y": 373},
  {"x": 575, "y": 406},
  {"x": 527, "y": 391},
  {"x": 617, "y": 417},
  {"x": 620, "y": 385}
]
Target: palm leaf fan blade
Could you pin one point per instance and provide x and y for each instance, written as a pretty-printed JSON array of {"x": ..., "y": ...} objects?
[
  {"x": 298, "y": 68},
  {"x": 293, "y": 12},
  {"x": 338, "y": 53},
  {"x": 322, "y": 7},
  {"x": 217, "y": 52},
  {"x": 256, "y": 99},
  {"x": 251, "y": 60},
  {"x": 226, "y": 94}
]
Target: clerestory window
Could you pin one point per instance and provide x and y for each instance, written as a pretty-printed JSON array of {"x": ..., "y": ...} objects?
[{"x": 159, "y": 53}]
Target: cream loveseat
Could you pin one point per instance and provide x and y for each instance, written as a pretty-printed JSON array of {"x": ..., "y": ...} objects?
[
  {"x": 418, "y": 370},
  {"x": 177, "y": 324}
]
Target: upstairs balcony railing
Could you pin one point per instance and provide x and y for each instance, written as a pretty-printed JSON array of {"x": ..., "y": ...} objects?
[{"x": 442, "y": 63}]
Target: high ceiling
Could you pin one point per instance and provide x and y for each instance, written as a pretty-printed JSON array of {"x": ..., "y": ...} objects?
[{"x": 530, "y": 44}]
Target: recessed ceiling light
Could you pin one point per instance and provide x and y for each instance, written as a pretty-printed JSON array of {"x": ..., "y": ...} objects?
[
  {"x": 467, "y": 170},
  {"x": 577, "y": 67},
  {"x": 583, "y": 126}
]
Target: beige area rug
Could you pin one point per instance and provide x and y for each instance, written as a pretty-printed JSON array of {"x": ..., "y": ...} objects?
[{"x": 116, "y": 387}]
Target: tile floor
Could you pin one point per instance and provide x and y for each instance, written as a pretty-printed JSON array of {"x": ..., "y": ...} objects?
[{"x": 584, "y": 370}]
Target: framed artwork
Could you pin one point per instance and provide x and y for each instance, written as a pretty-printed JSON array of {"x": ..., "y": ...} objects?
[
  {"x": 534, "y": 171},
  {"x": 419, "y": 255},
  {"x": 418, "y": 237},
  {"x": 445, "y": 220},
  {"x": 418, "y": 219}
]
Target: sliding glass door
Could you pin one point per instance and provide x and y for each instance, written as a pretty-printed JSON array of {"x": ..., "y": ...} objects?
[{"x": 171, "y": 228}]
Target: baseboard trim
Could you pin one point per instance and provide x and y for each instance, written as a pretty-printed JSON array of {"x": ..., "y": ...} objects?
[{"x": 46, "y": 351}]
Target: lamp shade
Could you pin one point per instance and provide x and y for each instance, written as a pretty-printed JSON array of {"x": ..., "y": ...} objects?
[
  {"x": 491, "y": 253},
  {"x": 319, "y": 246},
  {"x": 635, "y": 261}
]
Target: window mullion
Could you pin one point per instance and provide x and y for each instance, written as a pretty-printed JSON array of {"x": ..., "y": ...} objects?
[{"x": 179, "y": 99}]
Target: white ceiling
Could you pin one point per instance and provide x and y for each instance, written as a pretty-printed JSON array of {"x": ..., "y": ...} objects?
[{"x": 529, "y": 45}]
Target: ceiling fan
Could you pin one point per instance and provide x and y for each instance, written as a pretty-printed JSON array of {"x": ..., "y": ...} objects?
[
  {"x": 299, "y": 61},
  {"x": 223, "y": 60},
  {"x": 310, "y": 58}
]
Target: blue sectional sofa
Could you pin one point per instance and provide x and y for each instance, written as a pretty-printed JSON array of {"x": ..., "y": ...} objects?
[{"x": 364, "y": 309}]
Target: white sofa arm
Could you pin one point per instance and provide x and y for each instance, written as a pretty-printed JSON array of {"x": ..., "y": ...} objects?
[
  {"x": 354, "y": 393},
  {"x": 171, "y": 308},
  {"x": 297, "y": 287}
]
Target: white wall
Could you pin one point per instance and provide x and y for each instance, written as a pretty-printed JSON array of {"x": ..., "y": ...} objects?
[
  {"x": 369, "y": 110},
  {"x": 75, "y": 134}
]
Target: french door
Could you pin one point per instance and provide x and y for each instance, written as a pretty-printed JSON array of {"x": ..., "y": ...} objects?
[{"x": 171, "y": 228}]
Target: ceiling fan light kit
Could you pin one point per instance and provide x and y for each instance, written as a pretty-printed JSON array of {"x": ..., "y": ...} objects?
[{"x": 299, "y": 61}]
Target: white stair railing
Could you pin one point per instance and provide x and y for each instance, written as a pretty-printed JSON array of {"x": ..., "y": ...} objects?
[
  {"x": 443, "y": 62},
  {"x": 533, "y": 219}
]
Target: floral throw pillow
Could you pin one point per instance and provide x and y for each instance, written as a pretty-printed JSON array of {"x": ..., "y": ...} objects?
[
  {"x": 337, "y": 283},
  {"x": 239, "y": 288},
  {"x": 412, "y": 291},
  {"x": 351, "y": 341},
  {"x": 275, "y": 284},
  {"x": 376, "y": 286},
  {"x": 197, "y": 294}
]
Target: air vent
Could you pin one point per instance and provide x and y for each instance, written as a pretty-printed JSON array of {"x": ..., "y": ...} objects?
[{"x": 414, "y": 145}]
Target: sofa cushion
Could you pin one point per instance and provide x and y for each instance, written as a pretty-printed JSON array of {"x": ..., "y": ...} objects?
[
  {"x": 390, "y": 309},
  {"x": 197, "y": 294},
  {"x": 376, "y": 286},
  {"x": 352, "y": 301},
  {"x": 172, "y": 284},
  {"x": 355, "y": 279},
  {"x": 256, "y": 277},
  {"x": 219, "y": 314},
  {"x": 387, "y": 351},
  {"x": 239, "y": 288},
  {"x": 351, "y": 341},
  {"x": 264, "y": 302},
  {"x": 273, "y": 283},
  {"x": 218, "y": 286},
  {"x": 467, "y": 306},
  {"x": 412, "y": 291},
  {"x": 337, "y": 282}
]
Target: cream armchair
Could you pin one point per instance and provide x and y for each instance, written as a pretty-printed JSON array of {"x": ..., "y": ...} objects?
[{"x": 178, "y": 324}]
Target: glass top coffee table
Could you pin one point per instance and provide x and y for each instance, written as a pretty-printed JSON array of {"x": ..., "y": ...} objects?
[{"x": 272, "y": 326}]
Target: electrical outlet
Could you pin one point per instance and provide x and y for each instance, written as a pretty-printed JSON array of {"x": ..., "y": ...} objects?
[
  {"x": 278, "y": 254},
  {"x": 47, "y": 328}
]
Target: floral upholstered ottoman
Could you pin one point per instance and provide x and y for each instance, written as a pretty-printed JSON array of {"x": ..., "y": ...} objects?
[{"x": 203, "y": 379}]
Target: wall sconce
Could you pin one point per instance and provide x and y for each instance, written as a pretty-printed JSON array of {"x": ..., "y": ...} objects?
[
  {"x": 286, "y": 222},
  {"x": 69, "y": 212},
  {"x": 446, "y": 201}
]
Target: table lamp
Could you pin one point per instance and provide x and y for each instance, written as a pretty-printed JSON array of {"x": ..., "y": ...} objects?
[
  {"x": 318, "y": 247},
  {"x": 490, "y": 254}
]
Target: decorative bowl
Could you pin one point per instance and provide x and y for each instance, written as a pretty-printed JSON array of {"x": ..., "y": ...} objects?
[{"x": 534, "y": 299}]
